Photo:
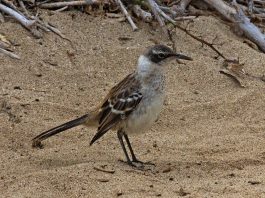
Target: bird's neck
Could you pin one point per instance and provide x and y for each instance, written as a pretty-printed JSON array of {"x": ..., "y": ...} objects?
[{"x": 147, "y": 69}]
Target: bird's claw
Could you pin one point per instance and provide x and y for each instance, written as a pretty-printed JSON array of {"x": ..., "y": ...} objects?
[{"x": 139, "y": 164}]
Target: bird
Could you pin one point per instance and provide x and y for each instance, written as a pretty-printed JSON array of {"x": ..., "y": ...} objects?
[{"x": 131, "y": 106}]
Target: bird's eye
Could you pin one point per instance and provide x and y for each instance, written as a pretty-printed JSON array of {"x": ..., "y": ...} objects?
[{"x": 161, "y": 55}]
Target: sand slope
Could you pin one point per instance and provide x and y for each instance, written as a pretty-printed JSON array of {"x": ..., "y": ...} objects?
[{"x": 208, "y": 142}]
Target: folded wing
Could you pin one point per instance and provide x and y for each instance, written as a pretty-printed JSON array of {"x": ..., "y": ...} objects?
[{"x": 119, "y": 103}]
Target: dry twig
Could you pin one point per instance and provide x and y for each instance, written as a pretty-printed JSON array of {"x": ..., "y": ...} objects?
[
  {"x": 67, "y": 3},
  {"x": 19, "y": 17},
  {"x": 157, "y": 16},
  {"x": 2, "y": 19},
  {"x": 235, "y": 70},
  {"x": 8, "y": 53},
  {"x": 140, "y": 13},
  {"x": 104, "y": 170},
  {"x": 211, "y": 45},
  {"x": 124, "y": 11},
  {"x": 236, "y": 15}
]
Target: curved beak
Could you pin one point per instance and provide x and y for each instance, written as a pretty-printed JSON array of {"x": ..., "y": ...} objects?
[{"x": 182, "y": 56}]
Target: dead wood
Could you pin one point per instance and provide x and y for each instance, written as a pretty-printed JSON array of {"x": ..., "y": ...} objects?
[
  {"x": 8, "y": 53},
  {"x": 128, "y": 17},
  {"x": 142, "y": 14},
  {"x": 19, "y": 17},
  {"x": 236, "y": 15},
  {"x": 67, "y": 3}
]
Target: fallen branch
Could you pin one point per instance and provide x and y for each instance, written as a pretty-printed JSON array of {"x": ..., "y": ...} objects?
[
  {"x": 22, "y": 5},
  {"x": 162, "y": 13},
  {"x": 8, "y": 53},
  {"x": 180, "y": 9},
  {"x": 140, "y": 13},
  {"x": 19, "y": 17},
  {"x": 211, "y": 45},
  {"x": 2, "y": 19},
  {"x": 184, "y": 3},
  {"x": 168, "y": 10},
  {"x": 157, "y": 16},
  {"x": 237, "y": 16},
  {"x": 184, "y": 18},
  {"x": 10, "y": 5},
  {"x": 56, "y": 31},
  {"x": 124, "y": 11},
  {"x": 67, "y": 3},
  {"x": 235, "y": 70},
  {"x": 104, "y": 170},
  {"x": 60, "y": 9}
]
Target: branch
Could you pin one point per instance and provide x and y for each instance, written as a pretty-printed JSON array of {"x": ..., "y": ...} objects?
[
  {"x": 139, "y": 12},
  {"x": 237, "y": 16},
  {"x": 163, "y": 14},
  {"x": 183, "y": 18},
  {"x": 184, "y": 3},
  {"x": 19, "y": 17},
  {"x": 123, "y": 9},
  {"x": 202, "y": 41},
  {"x": 8, "y": 53},
  {"x": 180, "y": 9},
  {"x": 157, "y": 16},
  {"x": 2, "y": 19},
  {"x": 67, "y": 3}
]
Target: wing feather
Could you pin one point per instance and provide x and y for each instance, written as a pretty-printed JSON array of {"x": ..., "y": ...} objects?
[{"x": 119, "y": 103}]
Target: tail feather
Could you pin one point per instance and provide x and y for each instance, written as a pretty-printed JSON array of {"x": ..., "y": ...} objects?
[{"x": 68, "y": 125}]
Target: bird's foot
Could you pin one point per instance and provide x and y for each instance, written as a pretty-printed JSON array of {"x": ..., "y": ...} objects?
[
  {"x": 137, "y": 164},
  {"x": 143, "y": 163}
]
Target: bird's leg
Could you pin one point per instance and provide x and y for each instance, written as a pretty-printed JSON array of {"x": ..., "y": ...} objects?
[
  {"x": 134, "y": 159},
  {"x": 120, "y": 133},
  {"x": 134, "y": 162}
]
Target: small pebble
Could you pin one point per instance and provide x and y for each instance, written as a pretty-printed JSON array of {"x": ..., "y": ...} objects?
[
  {"x": 17, "y": 87},
  {"x": 254, "y": 182}
]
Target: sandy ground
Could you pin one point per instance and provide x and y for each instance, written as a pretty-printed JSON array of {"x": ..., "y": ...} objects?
[{"x": 208, "y": 141}]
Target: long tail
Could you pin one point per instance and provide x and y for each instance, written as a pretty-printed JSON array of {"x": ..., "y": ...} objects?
[{"x": 36, "y": 142}]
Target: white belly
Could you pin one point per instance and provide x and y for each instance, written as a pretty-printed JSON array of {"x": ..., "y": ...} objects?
[{"x": 146, "y": 114}]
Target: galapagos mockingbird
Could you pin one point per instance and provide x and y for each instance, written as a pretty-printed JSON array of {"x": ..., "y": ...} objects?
[{"x": 130, "y": 107}]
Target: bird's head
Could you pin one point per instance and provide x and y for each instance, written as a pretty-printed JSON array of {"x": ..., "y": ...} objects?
[
  {"x": 160, "y": 53},
  {"x": 155, "y": 57}
]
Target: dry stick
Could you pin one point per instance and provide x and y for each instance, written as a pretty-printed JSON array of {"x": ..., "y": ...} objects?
[
  {"x": 60, "y": 9},
  {"x": 238, "y": 17},
  {"x": 22, "y": 5},
  {"x": 168, "y": 10},
  {"x": 181, "y": 7},
  {"x": 184, "y": 3},
  {"x": 250, "y": 6},
  {"x": 113, "y": 15},
  {"x": 104, "y": 170},
  {"x": 123, "y": 9},
  {"x": 202, "y": 41},
  {"x": 3, "y": 44},
  {"x": 10, "y": 5},
  {"x": 158, "y": 17},
  {"x": 185, "y": 18},
  {"x": 162, "y": 13},
  {"x": 139, "y": 12},
  {"x": 56, "y": 31},
  {"x": 42, "y": 25},
  {"x": 19, "y": 17},
  {"x": 8, "y": 53},
  {"x": 67, "y": 3},
  {"x": 2, "y": 19},
  {"x": 48, "y": 27}
]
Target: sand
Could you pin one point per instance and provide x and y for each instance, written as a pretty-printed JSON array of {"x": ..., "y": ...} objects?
[{"x": 208, "y": 141}]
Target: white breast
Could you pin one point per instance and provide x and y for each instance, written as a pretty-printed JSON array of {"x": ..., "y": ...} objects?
[
  {"x": 152, "y": 88},
  {"x": 146, "y": 114}
]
